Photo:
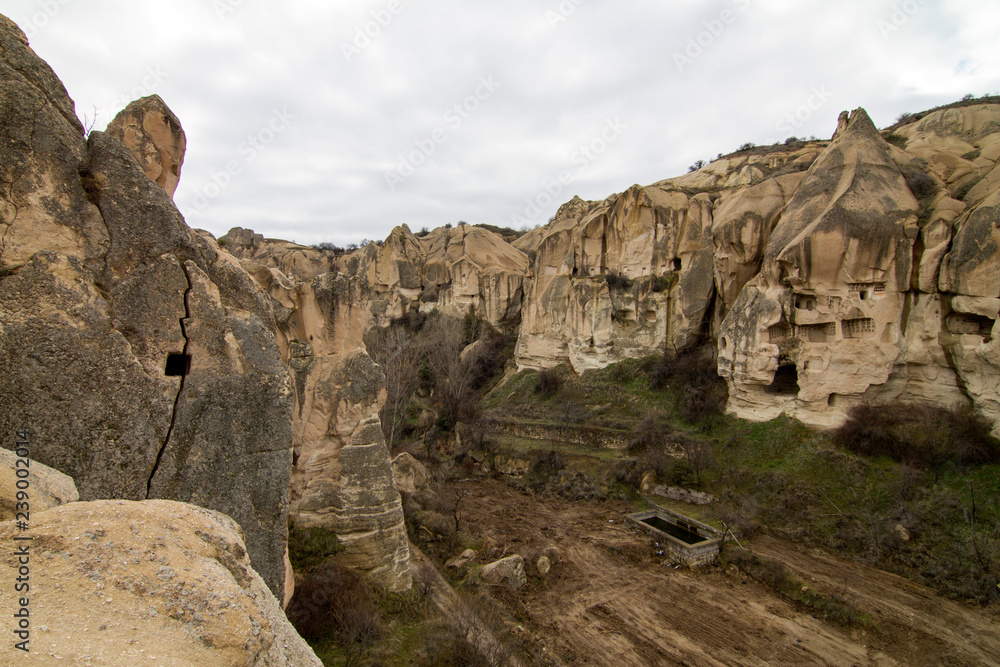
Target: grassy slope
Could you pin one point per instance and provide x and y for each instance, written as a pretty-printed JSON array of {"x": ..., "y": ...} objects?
[{"x": 789, "y": 479}]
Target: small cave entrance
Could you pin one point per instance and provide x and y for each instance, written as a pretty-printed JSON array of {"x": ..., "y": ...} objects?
[
  {"x": 785, "y": 382},
  {"x": 178, "y": 364}
]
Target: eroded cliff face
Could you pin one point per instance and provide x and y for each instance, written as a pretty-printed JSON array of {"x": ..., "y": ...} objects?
[
  {"x": 825, "y": 272},
  {"x": 342, "y": 477},
  {"x": 657, "y": 241},
  {"x": 866, "y": 292},
  {"x": 143, "y": 360},
  {"x": 823, "y": 317}
]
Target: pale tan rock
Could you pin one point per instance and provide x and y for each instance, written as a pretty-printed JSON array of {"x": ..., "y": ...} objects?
[
  {"x": 543, "y": 565},
  {"x": 511, "y": 466},
  {"x": 657, "y": 237},
  {"x": 462, "y": 559},
  {"x": 119, "y": 582},
  {"x": 648, "y": 481},
  {"x": 823, "y": 318},
  {"x": 509, "y": 571},
  {"x": 154, "y": 136},
  {"x": 409, "y": 473},
  {"x": 47, "y": 488}
]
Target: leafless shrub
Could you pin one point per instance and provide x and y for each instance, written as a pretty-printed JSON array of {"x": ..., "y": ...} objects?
[{"x": 334, "y": 601}]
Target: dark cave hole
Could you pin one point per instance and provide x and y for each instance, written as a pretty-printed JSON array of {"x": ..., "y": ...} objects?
[
  {"x": 786, "y": 381},
  {"x": 178, "y": 365}
]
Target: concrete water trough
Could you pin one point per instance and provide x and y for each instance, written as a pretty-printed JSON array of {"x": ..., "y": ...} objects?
[{"x": 686, "y": 541}]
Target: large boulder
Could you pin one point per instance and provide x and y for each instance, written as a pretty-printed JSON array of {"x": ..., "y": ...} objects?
[
  {"x": 47, "y": 488},
  {"x": 116, "y": 582},
  {"x": 153, "y": 134},
  {"x": 509, "y": 571},
  {"x": 143, "y": 360}
]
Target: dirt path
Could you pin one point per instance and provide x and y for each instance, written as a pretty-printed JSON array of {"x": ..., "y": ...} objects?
[{"x": 609, "y": 600}]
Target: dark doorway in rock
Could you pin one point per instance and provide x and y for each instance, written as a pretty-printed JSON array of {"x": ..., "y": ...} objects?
[
  {"x": 785, "y": 382},
  {"x": 178, "y": 365}
]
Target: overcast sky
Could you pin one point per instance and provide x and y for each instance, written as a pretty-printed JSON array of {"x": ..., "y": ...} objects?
[{"x": 336, "y": 121}]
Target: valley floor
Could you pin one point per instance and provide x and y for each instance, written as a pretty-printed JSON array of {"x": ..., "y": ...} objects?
[{"x": 609, "y": 600}]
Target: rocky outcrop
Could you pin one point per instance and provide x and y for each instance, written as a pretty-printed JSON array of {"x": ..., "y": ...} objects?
[
  {"x": 822, "y": 319},
  {"x": 342, "y": 477},
  {"x": 633, "y": 276},
  {"x": 143, "y": 360},
  {"x": 153, "y": 134},
  {"x": 867, "y": 292},
  {"x": 155, "y": 582},
  {"x": 47, "y": 488},
  {"x": 456, "y": 270},
  {"x": 508, "y": 571}
]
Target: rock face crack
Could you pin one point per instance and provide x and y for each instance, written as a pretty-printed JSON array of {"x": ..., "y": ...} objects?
[{"x": 180, "y": 389}]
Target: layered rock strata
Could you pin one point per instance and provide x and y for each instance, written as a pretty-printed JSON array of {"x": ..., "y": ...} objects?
[{"x": 342, "y": 478}]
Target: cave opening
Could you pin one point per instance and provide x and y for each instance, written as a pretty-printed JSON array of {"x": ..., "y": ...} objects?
[
  {"x": 785, "y": 382},
  {"x": 178, "y": 365}
]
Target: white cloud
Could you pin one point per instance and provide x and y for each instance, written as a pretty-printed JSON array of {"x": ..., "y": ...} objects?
[{"x": 322, "y": 177}]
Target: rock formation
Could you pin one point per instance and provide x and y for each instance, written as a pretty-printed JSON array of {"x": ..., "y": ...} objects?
[
  {"x": 153, "y": 134},
  {"x": 152, "y": 582},
  {"x": 866, "y": 292},
  {"x": 342, "y": 477},
  {"x": 143, "y": 360},
  {"x": 822, "y": 319},
  {"x": 825, "y": 272},
  {"x": 48, "y": 487}
]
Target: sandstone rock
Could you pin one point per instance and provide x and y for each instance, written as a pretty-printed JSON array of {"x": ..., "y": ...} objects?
[
  {"x": 342, "y": 477},
  {"x": 508, "y": 571},
  {"x": 823, "y": 317},
  {"x": 648, "y": 481},
  {"x": 902, "y": 532},
  {"x": 409, "y": 473},
  {"x": 48, "y": 487},
  {"x": 543, "y": 565},
  {"x": 511, "y": 466},
  {"x": 157, "y": 582},
  {"x": 143, "y": 360},
  {"x": 462, "y": 559},
  {"x": 153, "y": 134},
  {"x": 455, "y": 270}
]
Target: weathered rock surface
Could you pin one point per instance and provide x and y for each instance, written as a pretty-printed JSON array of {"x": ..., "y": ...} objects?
[
  {"x": 509, "y": 570},
  {"x": 659, "y": 240},
  {"x": 118, "y": 582},
  {"x": 48, "y": 487},
  {"x": 827, "y": 272},
  {"x": 453, "y": 270},
  {"x": 143, "y": 360},
  {"x": 409, "y": 473},
  {"x": 153, "y": 134},
  {"x": 342, "y": 477},
  {"x": 823, "y": 317}
]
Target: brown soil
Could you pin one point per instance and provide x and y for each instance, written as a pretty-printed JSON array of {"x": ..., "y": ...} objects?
[{"x": 610, "y": 600}]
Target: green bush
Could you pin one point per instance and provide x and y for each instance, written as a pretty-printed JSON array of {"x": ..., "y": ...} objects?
[
  {"x": 335, "y": 603},
  {"x": 308, "y": 547},
  {"x": 617, "y": 282}
]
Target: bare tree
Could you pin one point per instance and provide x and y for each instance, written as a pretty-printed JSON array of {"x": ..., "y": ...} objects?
[
  {"x": 396, "y": 351},
  {"x": 453, "y": 367}
]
